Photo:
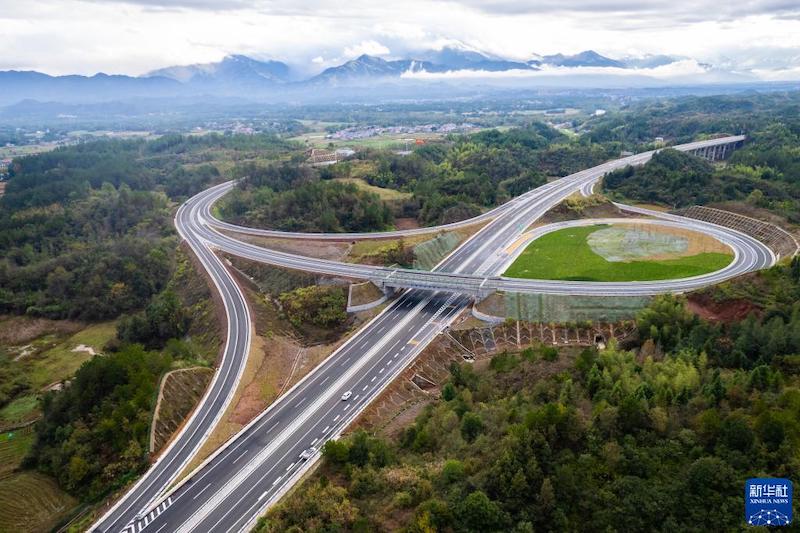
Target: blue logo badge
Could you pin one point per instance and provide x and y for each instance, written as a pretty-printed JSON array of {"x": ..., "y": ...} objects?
[{"x": 768, "y": 501}]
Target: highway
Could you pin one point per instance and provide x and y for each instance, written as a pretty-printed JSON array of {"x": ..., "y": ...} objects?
[
  {"x": 230, "y": 490},
  {"x": 218, "y": 395}
]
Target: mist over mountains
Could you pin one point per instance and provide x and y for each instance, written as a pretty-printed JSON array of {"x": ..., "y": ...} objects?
[{"x": 246, "y": 77}]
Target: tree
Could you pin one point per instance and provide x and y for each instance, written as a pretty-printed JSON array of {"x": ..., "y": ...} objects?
[
  {"x": 471, "y": 426},
  {"x": 479, "y": 513}
]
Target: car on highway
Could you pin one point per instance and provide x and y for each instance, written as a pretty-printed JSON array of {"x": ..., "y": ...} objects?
[
  {"x": 307, "y": 453},
  {"x": 346, "y": 395}
]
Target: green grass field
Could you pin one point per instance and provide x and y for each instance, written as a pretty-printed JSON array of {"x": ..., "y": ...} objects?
[
  {"x": 60, "y": 362},
  {"x": 566, "y": 255},
  {"x": 384, "y": 194},
  {"x": 21, "y": 409}
]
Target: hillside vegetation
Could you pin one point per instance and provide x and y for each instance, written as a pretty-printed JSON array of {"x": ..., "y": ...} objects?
[
  {"x": 765, "y": 172},
  {"x": 441, "y": 182},
  {"x": 657, "y": 436}
]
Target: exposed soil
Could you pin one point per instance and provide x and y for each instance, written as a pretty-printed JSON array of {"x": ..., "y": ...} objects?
[
  {"x": 602, "y": 209},
  {"x": 364, "y": 293},
  {"x": 321, "y": 249},
  {"x": 406, "y": 223},
  {"x": 23, "y": 329},
  {"x": 697, "y": 243},
  {"x": 180, "y": 391},
  {"x": 704, "y": 306}
]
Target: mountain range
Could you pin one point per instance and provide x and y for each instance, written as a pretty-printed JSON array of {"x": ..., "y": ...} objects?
[{"x": 246, "y": 77}]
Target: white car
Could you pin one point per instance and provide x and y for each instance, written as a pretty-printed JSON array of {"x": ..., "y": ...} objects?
[
  {"x": 346, "y": 395},
  {"x": 306, "y": 454}
]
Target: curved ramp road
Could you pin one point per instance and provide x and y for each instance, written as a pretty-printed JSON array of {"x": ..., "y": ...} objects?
[
  {"x": 587, "y": 188},
  {"x": 210, "y": 408},
  {"x": 256, "y": 467}
]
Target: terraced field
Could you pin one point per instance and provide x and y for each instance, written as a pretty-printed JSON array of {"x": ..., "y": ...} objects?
[
  {"x": 32, "y": 502},
  {"x": 29, "y": 501},
  {"x": 14, "y": 445}
]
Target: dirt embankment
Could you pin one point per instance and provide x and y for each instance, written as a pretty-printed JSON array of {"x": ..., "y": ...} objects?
[
  {"x": 420, "y": 383},
  {"x": 703, "y": 305}
]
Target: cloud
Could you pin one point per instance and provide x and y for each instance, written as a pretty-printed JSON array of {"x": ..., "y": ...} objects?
[
  {"x": 135, "y": 36},
  {"x": 677, "y": 69},
  {"x": 663, "y": 10},
  {"x": 373, "y": 48}
]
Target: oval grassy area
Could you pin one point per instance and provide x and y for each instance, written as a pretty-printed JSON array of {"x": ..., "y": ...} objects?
[{"x": 566, "y": 255}]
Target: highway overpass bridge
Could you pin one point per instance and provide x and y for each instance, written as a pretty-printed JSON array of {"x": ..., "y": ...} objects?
[{"x": 256, "y": 467}]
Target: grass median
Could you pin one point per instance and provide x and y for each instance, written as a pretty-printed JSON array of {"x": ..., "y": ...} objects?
[{"x": 566, "y": 255}]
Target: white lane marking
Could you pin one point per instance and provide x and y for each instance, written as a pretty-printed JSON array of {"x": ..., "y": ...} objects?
[
  {"x": 382, "y": 328},
  {"x": 262, "y": 495},
  {"x": 162, "y": 527},
  {"x": 324, "y": 380},
  {"x": 277, "y": 481},
  {"x": 240, "y": 456},
  {"x": 395, "y": 355},
  {"x": 289, "y": 467},
  {"x": 403, "y": 348},
  {"x": 298, "y": 404},
  {"x": 201, "y": 514},
  {"x": 169, "y": 500},
  {"x": 346, "y": 407},
  {"x": 380, "y": 372},
  {"x": 152, "y": 515},
  {"x": 345, "y": 361},
  {"x": 336, "y": 418},
  {"x": 201, "y": 492},
  {"x": 273, "y": 426},
  {"x": 326, "y": 429},
  {"x": 139, "y": 526},
  {"x": 365, "y": 388},
  {"x": 373, "y": 379},
  {"x": 146, "y": 520},
  {"x": 356, "y": 398},
  {"x": 313, "y": 442}
]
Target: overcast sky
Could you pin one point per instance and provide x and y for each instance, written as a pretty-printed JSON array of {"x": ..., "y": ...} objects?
[{"x": 135, "y": 36}]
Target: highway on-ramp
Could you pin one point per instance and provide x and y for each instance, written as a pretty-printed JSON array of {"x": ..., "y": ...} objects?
[{"x": 229, "y": 491}]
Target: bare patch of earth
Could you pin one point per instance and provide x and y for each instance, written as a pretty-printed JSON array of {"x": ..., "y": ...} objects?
[
  {"x": 23, "y": 329},
  {"x": 734, "y": 310},
  {"x": 631, "y": 241}
]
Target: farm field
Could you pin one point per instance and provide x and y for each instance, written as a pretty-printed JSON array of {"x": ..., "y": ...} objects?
[
  {"x": 61, "y": 361},
  {"x": 32, "y": 502},
  {"x": 29, "y": 501},
  {"x": 568, "y": 255}
]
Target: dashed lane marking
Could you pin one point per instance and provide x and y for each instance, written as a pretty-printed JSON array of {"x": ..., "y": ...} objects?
[{"x": 201, "y": 492}]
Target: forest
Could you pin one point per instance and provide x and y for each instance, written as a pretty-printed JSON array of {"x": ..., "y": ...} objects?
[
  {"x": 86, "y": 231},
  {"x": 657, "y": 434},
  {"x": 448, "y": 181},
  {"x": 764, "y": 173}
]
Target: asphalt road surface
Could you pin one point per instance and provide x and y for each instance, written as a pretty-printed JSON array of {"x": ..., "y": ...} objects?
[{"x": 228, "y": 492}]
